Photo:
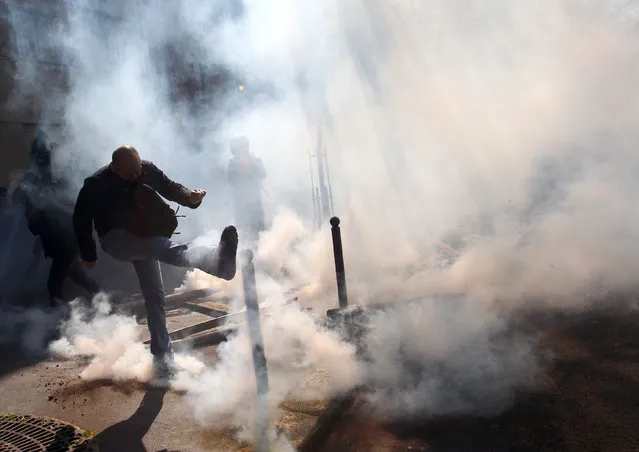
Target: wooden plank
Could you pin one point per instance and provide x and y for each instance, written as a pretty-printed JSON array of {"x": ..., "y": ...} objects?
[
  {"x": 216, "y": 322},
  {"x": 172, "y": 300},
  {"x": 206, "y": 305},
  {"x": 204, "y": 309},
  {"x": 205, "y": 339},
  {"x": 177, "y": 300},
  {"x": 208, "y": 324},
  {"x": 212, "y": 337},
  {"x": 360, "y": 309},
  {"x": 215, "y": 305}
]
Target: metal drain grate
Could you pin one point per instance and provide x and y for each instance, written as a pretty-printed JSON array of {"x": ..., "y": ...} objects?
[{"x": 40, "y": 434}]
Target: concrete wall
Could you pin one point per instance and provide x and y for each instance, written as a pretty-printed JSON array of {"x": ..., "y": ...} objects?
[
  {"x": 28, "y": 55},
  {"x": 25, "y": 51}
]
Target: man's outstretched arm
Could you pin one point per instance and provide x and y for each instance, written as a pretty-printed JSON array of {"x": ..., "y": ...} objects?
[
  {"x": 172, "y": 190},
  {"x": 83, "y": 224}
]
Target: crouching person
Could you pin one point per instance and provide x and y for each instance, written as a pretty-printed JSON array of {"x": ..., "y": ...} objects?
[{"x": 135, "y": 225}]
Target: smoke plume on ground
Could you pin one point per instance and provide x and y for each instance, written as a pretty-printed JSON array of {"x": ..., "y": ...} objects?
[
  {"x": 499, "y": 136},
  {"x": 110, "y": 341},
  {"x": 305, "y": 361}
]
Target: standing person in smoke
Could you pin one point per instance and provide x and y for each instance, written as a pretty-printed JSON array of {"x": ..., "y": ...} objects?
[
  {"x": 134, "y": 225},
  {"x": 245, "y": 174},
  {"x": 49, "y": 214}
]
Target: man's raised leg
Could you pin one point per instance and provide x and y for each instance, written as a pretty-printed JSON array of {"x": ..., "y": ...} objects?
[{"x": 219, "y": 262}]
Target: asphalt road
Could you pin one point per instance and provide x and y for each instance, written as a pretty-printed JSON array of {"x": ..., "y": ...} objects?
[{"x": 590, "y": 401}]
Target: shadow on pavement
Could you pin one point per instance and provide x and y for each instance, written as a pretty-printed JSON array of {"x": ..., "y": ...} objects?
[
  {"x": 12, "y": 359},
  {"x": 127, "y": 435}
]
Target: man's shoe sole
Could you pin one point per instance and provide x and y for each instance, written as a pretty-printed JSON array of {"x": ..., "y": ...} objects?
[{"x": 227, "y": 257}]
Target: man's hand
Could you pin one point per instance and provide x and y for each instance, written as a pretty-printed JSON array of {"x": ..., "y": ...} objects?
[
  {"x": 197, "y": 196},
  {"x": 87, "y": 263}
]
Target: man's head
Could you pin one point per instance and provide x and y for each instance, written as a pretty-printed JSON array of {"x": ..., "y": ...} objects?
[
  {"x": 126, "y": 163},
  {"x": 239, "y": 146},
  {"x": 41, "y": 151}
]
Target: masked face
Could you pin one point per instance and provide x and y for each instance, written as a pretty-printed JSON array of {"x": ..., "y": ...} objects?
[
  {"x": 41, "y": 152},
  {"x": 243, "y": 154},
  {"x": 43, "y": 160},
  {"x": 239, "y": 145}
]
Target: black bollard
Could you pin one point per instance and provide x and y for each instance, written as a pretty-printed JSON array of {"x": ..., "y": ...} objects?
[
  {"x": 262, "y": 443},
  {"x": 338, "y": 253}
]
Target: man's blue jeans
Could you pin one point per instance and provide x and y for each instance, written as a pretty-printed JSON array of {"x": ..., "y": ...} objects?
[{"x": 146, "y": 254}]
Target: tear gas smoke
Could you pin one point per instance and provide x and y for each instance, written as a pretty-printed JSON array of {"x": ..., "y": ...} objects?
[
  {"x": 507, "y": 120},
  {"x": 27, "y": 330},
  {"x": 111, "y": 342},
  {"x": 305, "y": 361}
]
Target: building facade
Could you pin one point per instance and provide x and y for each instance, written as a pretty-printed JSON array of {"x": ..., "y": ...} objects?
[{"x": 32, "y": 72}]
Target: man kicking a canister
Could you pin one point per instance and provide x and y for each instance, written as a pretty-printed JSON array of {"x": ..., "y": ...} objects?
[{"x": 109, "y": 201}]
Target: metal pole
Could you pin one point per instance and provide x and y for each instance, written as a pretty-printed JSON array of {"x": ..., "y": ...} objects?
[
  {"x": 318, "y": 203},
  {"x": 338, "y": 253},
  {"x": 259, "y": 358},
  {"x": 310, "y": 166},
  {"x": 315, "y": 212},
  {"x": 320, "y": 174},
  {"x": 330, "y": 187}
]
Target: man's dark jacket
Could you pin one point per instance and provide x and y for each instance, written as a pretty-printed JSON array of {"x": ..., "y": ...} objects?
[{"x": 105, "y": 200}]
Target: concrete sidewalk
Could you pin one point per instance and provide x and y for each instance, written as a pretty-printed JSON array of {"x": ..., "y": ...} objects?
[{"x": 130, "y": 417}]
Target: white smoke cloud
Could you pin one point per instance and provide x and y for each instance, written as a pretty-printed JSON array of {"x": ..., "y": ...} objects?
[
  {"x": 110, "y": 341},
  {"x": 305, "y": 361},
  {"x": 295, "y": 348},
  {"x": 508, "y": 120},
  {"x": 467, "y": 359}
]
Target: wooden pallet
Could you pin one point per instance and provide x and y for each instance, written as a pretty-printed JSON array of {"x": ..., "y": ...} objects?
[{"x": 205, "y": 302}]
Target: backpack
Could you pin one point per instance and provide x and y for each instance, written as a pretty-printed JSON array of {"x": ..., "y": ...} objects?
[{"x": 150, "y": 216}]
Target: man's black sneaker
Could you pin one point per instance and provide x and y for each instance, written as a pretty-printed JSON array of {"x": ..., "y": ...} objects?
[
  {"x": 163, "y": 370},
  {"x": 227, "y": 254}
]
